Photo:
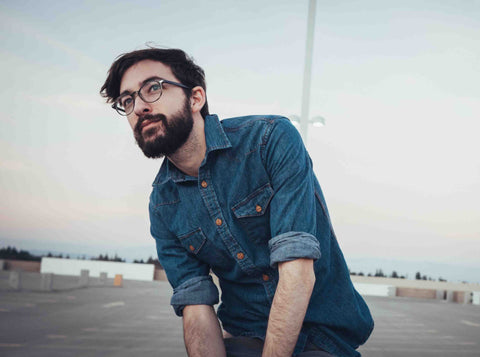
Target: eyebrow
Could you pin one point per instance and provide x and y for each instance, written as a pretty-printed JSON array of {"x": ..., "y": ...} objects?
[{"x": 142, "y": 83}]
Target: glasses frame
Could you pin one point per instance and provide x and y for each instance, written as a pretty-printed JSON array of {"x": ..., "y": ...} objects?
[{"x": 138, "y": 92}]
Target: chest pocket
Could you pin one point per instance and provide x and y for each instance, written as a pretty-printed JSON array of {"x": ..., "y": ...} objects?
[
  {"x": 197, "y": 244},
  {"x": 193, "y": 241},
  {"x": 253, "y": 213}
]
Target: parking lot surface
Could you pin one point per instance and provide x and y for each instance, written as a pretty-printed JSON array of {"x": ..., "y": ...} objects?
[{"x": 136, "y": 319}]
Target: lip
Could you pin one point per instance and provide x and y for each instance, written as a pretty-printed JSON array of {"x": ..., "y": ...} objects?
[{"x": 146, "y": 123}]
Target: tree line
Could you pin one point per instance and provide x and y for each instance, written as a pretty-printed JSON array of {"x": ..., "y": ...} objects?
[
  {"x": 380, "y": 274},
  {"x": 13, "y": 254}
]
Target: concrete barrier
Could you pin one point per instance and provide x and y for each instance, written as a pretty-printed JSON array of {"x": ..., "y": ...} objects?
[
  {"x": 476, "y": 298},
  {"x": 375, "y": 289},
  {"x": 103, "y": 278},
  {"x": 15, "y": 280},
  {"x": 83, "y": 282},
  {"x": 46, "y": 282}
]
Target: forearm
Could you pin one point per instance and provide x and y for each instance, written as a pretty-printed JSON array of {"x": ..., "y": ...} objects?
[
  {"x": 202, "y": 333},
  {"x": 296, "y": 280}
]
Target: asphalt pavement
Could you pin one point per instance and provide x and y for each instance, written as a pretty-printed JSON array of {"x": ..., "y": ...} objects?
[{"x": 136, "y": 319}]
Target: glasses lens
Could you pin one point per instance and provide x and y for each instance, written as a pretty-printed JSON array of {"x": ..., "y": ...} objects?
[
  {"x": 151, "y": 91},
  {"x": 124, "y": 104}
]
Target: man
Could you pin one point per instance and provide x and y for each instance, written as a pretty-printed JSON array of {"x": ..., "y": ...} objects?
[{"x": 237, "y": 197}]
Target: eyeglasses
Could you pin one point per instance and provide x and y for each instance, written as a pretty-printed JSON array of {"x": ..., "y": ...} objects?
[{"x": 149, "y": 92}]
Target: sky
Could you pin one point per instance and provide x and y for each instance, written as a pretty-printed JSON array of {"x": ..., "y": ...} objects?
[{"x": 396, "y": 82}]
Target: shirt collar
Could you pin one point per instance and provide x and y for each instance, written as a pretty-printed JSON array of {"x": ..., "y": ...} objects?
[
  {"x": 215, "y": 139},
  {"x": 215, "y": 136}
]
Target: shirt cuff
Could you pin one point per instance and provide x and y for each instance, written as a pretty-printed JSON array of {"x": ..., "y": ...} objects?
[
  {"x": 199, "y": 290},
  {"x": 293, "y": 245}
]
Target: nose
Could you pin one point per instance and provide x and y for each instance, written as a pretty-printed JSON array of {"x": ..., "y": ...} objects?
[{"x": 141, "y": 107}]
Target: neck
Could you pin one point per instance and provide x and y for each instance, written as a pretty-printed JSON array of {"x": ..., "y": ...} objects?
[{"x": 190, "y": 155}]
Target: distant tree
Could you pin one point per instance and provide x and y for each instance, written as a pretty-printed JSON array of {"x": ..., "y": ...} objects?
[
  {"x": 155, "y": 262},
  {"x": 394, "y": 275},
  {"x": 418, "y": 276},
  {"x": 441, "y": 279},
  {"x": 369, "y": 274},
  {"x": 353, "y": 273},
  {"x": 14, "y": 254},
  {"x": 106, "y": 258},
  {"x": 360, "y": 274},
  {"x": 379, "y": 273},
  {"x": 424, "y": 277}
]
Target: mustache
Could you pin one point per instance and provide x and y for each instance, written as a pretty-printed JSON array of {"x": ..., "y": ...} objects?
[{"x": 150, "y": 117}]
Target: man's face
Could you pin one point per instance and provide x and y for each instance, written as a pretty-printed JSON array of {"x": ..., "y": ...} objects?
[{"x": 162, "y": 127}]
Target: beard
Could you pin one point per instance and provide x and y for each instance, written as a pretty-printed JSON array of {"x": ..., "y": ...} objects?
[{"x": 177, "y": 129}]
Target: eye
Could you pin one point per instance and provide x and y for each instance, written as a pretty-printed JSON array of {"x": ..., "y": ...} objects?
[
  {"x": 154, "y": 87},
  {"x": 126, "y": 101}
]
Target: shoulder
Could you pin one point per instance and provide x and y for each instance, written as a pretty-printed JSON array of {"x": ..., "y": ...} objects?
[
  {"x": 232, "y": 124},
  {"x": 257, "y": 126}
]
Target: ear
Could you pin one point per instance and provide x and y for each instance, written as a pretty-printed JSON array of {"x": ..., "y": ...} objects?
[{"x": 197, "y": 99}]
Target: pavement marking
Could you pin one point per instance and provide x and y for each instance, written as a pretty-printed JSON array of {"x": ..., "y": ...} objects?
[
  {"x": 56, "y": 337},
  {"x": 29, "y": 305},
  {"x": 71, "y": 297},
  {"x": 90, "y": 329},
  {"x": 154, "y": 317},
  {"x": 469, "y": 323},
  {"x": 10, "y": 345},
  {"x": 114, "y": 304},
  {"x": 467, "y": 343}
]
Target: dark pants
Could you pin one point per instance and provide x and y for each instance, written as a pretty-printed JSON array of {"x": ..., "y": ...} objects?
[{"x": 252, "y": 347}]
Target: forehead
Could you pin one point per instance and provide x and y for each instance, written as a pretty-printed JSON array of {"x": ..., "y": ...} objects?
[{"x": 134, "y": 76}]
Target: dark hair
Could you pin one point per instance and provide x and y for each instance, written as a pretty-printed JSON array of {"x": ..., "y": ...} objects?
[{"x": 181, "y": 64}]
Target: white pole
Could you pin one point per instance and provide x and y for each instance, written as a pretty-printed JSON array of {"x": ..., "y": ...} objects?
[{"x": 307, "y": 74}]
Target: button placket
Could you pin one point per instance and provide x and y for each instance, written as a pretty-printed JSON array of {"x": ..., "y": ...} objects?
[{"x": 214, "y": 209}]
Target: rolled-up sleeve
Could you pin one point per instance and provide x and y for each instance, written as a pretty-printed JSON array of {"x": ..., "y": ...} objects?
[
  {"x": 293, "y": 245},
  {"x": 293, "y": 206},
  {"x": 199, "y": 290}
]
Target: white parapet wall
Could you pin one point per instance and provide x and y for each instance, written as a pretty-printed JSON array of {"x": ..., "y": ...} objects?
[
  {"x": 375, "y": 289},
  {"x": 75, "y": 266}
]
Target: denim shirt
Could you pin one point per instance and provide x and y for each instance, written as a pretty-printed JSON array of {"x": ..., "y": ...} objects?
[{"x": 256, "y": 202}]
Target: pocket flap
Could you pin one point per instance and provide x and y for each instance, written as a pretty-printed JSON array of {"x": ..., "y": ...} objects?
[
  {"x": 254, "y": 204},
  {"x": 193, "y": 241}
]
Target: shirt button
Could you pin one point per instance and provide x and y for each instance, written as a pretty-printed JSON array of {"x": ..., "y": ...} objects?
[
  {"x": 191, "y": 247},
  {"x": 218, "y": 222},
  {"x": 265, "y": 277},
  {"x": 204, "y": 184},
  {"x": 258, "y": 208},
  {"x": 240, "y": 256}
]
